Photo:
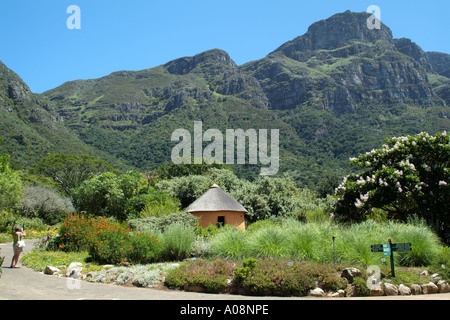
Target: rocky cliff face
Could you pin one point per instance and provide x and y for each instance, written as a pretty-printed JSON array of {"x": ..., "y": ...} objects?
[
  {"x": 334, "y": 92},
  {"x": 342, "y": 65}
]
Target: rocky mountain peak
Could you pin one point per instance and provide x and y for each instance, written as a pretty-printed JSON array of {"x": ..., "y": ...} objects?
[
  {"x": 335, "y": 31},
  {"x": 184, "y": 65}
]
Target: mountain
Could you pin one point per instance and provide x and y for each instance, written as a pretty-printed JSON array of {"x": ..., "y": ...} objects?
[
  {"x": 30, "y": 126},
  {"x": 334, "y": 92}
]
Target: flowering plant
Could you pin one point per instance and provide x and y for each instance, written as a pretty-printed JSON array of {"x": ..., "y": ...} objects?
[
  {"x": 406, "y": 176},
  {"x": 106, "y": 240}
]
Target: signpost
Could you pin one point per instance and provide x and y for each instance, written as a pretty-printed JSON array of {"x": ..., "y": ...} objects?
[{"x": 388, "y": 250}]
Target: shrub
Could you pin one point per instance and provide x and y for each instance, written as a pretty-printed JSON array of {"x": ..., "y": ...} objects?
[
  {"x": 441, "y": 263},
  {"x": 278, "y": 277},
  {"x": 145, "y": 248},
  {"x": 210, "y": 275},
  {"x": 159, "y": 224},
  {"x": 241, "y": 273},
  {"x": 159, "y": 204},
  {"x": 177, "y": 242},
  {"x": 108, "y": 194},
  {"x": 106, "y": 241},
  {"x": 45, "y": 203},
  {"x": 361, "y": 287}
]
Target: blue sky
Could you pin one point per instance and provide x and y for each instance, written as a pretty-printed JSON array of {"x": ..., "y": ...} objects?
[{"x": 139, "y": 34}]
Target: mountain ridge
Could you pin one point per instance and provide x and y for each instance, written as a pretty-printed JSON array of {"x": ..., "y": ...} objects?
[{"x": 336, "y": 91}]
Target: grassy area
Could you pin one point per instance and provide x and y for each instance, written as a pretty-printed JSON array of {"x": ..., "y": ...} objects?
[{"x": 313, "y": 242}]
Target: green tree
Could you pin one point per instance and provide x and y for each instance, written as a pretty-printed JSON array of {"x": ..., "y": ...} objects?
[
  {"x": 109, "y": 194},
  {"x": 11, "y": 185},
  {"x": 407, "y": 176},
  {"x": 180, "y": 170},
  {"x": 69, "y": 171}
]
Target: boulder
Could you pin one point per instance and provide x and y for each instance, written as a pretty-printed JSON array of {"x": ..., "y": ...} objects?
[
  {"x": 404, "y": 290},
  {"x": 390, "y": 289},
  {"x": 317, "y": 292},
  {"x": 430, "y": 288},
  {"x": 443, "y": 286},
  {"x": 51, "y": 270},
  {"x": 351, "y": 290},
  {"x": 424, "y": 273},
  {"x": 350, "y": 273},
  {"x": 72, "y": 266},
  {"x": 416, "y": 289},
  {"x": 75, "y": 273},
  {"x": 338, "y": 294},
  {"x": 376, "y": 290},
  {"x": 435, "y": 277}
]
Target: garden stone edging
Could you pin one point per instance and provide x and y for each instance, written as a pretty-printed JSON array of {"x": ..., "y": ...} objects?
[{"x": 380, "y": 289}]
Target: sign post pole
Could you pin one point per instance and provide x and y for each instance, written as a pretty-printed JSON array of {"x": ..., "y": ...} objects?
[{"x": 392, "y": 259}]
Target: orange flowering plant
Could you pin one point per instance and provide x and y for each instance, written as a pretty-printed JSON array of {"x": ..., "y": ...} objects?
[{"x": 107, "y": 241}]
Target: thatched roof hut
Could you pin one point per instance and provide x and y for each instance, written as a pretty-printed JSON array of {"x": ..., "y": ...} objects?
[{"x": 216, "y": 207}]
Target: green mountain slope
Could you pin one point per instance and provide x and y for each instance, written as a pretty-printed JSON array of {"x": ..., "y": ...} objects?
[
  {"x": 30, "y": 127},
  {"x": 334, "y": 92}
]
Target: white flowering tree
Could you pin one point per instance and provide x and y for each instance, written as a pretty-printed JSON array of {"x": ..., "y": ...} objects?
[{"x": 407, "y": 176}]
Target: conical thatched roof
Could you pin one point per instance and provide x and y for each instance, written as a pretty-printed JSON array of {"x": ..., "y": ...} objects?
[{"x": 215, "y": 199}]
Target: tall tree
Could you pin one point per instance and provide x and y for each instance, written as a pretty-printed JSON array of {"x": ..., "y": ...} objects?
[
  {"x": 407, "y": 176},
  {"x": 69, "y": 171}
]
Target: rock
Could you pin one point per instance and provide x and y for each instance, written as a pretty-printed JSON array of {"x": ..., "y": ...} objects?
[
  {"x": 108, "y": 266},
  {"x": 435, "y": 277},
  {"x": 443, "y": 286},
  {"x": 376, "y": 290},
  {"x": 76, "y": 273},
  {"x": 416, "y": 289},
  {"x": 317, "y": 292},
  {"x": 424, "y": 273},
  {"x": 193, "y": 288},
  {"x": 338, "y": 294},
  {"x": 350, "y": 273},
  {"x": 430, "y": 288},
  {"x": 390, "y": 289},
  {"x": 351, "y": 290},
  {"x": 404, "y": 290},
  {"x": 72, "y": 266},
  {"x": 51, "y": 270}
]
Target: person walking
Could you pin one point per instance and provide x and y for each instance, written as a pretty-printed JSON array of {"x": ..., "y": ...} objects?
[{"x": 18, "y": 234}]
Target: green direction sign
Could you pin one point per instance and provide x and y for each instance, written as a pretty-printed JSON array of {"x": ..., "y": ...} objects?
[
  {"x": 385, "y": 248},
  {"x": 401, "y": 247},
  {"x": 388, "y": 250},
  {"x": 377, "y": 248}
]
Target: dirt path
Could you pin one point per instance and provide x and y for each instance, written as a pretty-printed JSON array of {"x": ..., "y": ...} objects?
[{"x": 26, "y": 284}]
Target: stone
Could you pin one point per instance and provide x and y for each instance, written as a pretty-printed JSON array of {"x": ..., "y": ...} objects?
[
  {"x": 390, "y": 289},
  {"x": 76, "y": 273},
  {"x": 443, "y": 286},
  {"x": 404, "y": 290},
  {"x": 72, "y": 266},
  {"x": 193, "y": 288},
  {"x": 424, "y": 273},
  {"x": 351, "y": 290},
  {"x": 350, "y": 273},
  {"x": 108, "y": 266},
  {"x": 430, "y": 288},
  {"x": 416, "y": 289},
  {"x": 51, "y": 270},
  {"x": 435, "y": 277},
  {"x": 338, "y": 294},
  {"x": 317, "y": 292},
  {"x": 376, "y": 290}
]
